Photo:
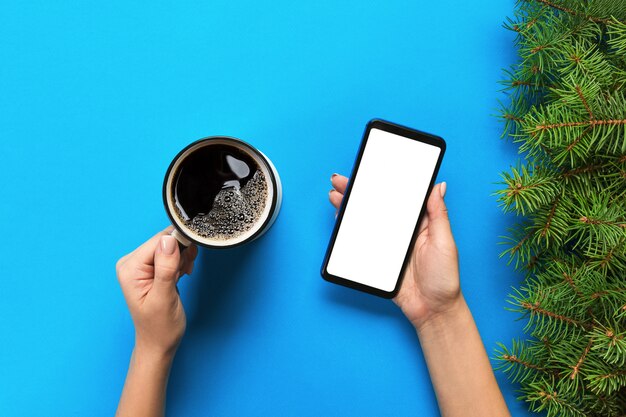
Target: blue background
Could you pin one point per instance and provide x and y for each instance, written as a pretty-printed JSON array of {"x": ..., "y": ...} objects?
[{"x": 95, "y": 100}]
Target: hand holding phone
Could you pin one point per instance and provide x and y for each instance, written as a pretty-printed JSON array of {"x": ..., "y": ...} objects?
[
  {"x": 430, "y": 284},
  {"x": 384, "y": 202}
]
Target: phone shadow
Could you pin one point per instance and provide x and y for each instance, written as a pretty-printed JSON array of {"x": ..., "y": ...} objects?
[
  {"x": 387, "y": 311},
  {"x": 353, "y": 299},
  {"x": 380, "y": 308},
  {"x": 216, "y": 298},
  {"x": 357, "y": 300}
]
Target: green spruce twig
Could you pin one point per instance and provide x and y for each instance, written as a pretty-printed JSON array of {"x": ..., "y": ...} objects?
[{"x": 566, "y": 110}]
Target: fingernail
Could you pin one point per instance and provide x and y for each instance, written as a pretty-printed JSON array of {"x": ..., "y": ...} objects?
[
  {"x": 168, "y": 244},
  {"x": 330, "y": 192},
  {"x": 442, "y": 189},
  {"x": 333, "y": 176}
]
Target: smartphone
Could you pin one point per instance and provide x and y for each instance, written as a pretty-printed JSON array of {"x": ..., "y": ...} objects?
[{"x": 382, "y": 207}]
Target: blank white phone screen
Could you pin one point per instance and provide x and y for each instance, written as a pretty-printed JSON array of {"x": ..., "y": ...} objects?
[{"x": 387, "y": 195}]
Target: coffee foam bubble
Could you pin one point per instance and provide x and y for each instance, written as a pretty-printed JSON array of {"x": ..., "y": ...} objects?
[{"x": 234, "y": 212}]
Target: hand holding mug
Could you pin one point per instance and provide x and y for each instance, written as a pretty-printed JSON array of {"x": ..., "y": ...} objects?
[
  {"x": 148, "y": 277},
  {"x": 430, "y": 285}
]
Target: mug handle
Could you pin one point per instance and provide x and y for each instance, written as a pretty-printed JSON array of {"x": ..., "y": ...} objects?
[{"x": 183, "y": 242}]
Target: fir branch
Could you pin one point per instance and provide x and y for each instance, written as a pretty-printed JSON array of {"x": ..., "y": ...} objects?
[
  {"x": 576, "y": 368},
  {"x": 617, "y": 37},
  {"x": 527, "y": 189},
  {"x": 571, "y": 283},
  {"x": 544, "y": 396},
  {"x": 585, "y": 219},
  {"x": 511, "y": 117},
  {"x": 582, "y": 170},
  {"x": 556, "y": 6},
  {"x": 575, "y": 142},
  {"x": 567, "y": 114},
  {"x": 574, "y": 12},
  {"x": 591, "y": 123},
  {"x": 610, "y": 343},
  {"x": 579, "y": 91},
  {"x": 548, "y": 221},
  {"x": 607, "y": 381},
  {"x": 535, "y": 308},
  {"x": 601, "y": 226},
  {"x": 604, "y": 262},
  {"x": 515, "y": 359},
  {"x": 519, "y": 244},
  {"x": 524, "y": 360}
]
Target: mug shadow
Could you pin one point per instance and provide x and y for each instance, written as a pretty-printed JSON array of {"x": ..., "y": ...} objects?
[
  {"x": 217, "y": 277},
  {"x": 212, "y": 300}
]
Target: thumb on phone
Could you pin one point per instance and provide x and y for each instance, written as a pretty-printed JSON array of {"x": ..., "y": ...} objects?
[{"x": 438, "y": 222}]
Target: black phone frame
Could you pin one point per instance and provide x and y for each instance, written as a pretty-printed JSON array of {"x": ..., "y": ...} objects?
[{"x": 409, "y": 134}]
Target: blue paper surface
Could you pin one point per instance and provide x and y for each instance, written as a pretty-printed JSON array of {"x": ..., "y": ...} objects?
[{"x": 95, "y": 100}]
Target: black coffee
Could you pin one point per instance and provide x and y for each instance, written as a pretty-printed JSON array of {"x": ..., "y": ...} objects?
[{"x": 219, "y": 192}]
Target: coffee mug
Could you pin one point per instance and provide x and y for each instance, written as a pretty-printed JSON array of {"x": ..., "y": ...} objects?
[{"x": 221, "y": 192}]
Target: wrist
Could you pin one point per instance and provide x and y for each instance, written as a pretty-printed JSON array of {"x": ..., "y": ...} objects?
[
  {"x": 149, "y": 364},
  {"x": 444, "y": 317},
  {"x": 153, "y": 354}
]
